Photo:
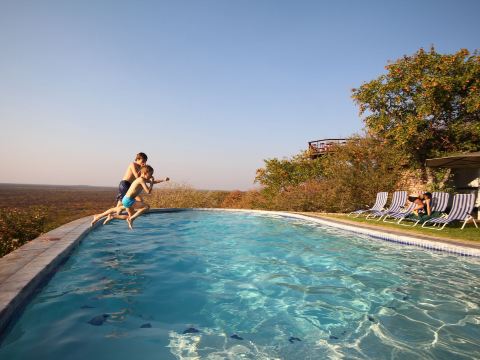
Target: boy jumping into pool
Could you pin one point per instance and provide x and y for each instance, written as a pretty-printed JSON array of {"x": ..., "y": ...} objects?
[
  {"x": 145, "y": 183},
  {"x": 132, "y": 173}
]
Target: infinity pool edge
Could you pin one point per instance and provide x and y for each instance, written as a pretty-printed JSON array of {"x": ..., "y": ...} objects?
[{"x": 25, "y": 270}]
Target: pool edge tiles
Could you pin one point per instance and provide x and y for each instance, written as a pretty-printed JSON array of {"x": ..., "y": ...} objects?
[
  {"x": 24, "y": 270},
  {"x": 436, "y": 245}
]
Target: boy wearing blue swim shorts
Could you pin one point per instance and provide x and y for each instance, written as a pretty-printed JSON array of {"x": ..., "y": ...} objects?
[{"x": 130, "y": 200}]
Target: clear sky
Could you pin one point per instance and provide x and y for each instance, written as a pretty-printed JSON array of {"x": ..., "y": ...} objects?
[{"x": 208, "y": 89}]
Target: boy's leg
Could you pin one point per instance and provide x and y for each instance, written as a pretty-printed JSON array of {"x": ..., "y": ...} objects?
[
  {"x": 122, "y": 190},
  {"x": 141, "y": 208},
  {"x": 110, "y": 217},
  {"x": 130, "y": 212},
  {"x": 133, "y": 215},
  {"x": 105, "y": 213}
]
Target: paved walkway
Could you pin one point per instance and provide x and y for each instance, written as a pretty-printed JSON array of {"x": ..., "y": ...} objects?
[{"x": 24, "y": 269}]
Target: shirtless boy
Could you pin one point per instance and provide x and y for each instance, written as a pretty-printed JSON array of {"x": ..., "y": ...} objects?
[
  {"x": 132, "y": 173},
  {"x": 145, "y": 183}
]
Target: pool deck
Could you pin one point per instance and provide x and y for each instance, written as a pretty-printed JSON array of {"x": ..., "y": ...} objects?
[
  {"x": 400, "y": 231},
  {"x": 25, "y": 270}
]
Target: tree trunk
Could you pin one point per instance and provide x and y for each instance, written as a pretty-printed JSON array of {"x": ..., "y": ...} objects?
[
  {"x": 445, "y": 178},
  {"x": 427, "y": 175}
]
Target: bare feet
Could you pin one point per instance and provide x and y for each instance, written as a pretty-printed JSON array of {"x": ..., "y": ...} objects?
[
  {"x": 130, "y": 223},
  {"x": 94, "y": 220},
  {"x": 108, "y": 219}
]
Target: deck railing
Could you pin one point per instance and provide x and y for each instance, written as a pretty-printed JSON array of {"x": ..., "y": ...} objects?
[{"x": 320, "y": 147}]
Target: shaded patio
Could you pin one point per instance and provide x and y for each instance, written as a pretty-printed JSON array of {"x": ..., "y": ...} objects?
[{"x": 466, "y": 171}]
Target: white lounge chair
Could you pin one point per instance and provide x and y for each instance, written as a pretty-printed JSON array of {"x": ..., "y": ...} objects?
[
  {"x": 402, "y": 214},
  {"x": 378, "y": 206},
  {"x": 398, "y": 202},
  {"x": 461, "y": 211}
]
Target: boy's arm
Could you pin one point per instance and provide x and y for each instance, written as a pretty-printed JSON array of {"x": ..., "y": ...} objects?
[
  {"x": 146, "y": 188},
  {"x": 134, "y": 171},
  {"x": 159, "y": 181}
]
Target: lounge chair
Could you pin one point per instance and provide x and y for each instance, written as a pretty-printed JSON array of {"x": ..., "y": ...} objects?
[
  {"x": 402, "y": 214},
  {"x": 439, "y": 204},
  {"x": 378, "y": 206},
  {"x": 461, "y": 211},
  {"x": 398, "y": 202}
]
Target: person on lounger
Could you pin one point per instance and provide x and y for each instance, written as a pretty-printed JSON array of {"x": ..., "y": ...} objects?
[{"x": 423, "y": 207}]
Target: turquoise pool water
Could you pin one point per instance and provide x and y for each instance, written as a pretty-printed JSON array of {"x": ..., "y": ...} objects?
[{"x": 218, "y": 285}]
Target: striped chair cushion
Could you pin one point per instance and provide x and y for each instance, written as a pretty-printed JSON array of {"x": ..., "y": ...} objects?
[
  {"x": 402, "y": 214},
  {"x": 399, "y": 199},
  {"x": 440, "y": 201},
  {"x": 379, "y": 203},
  {"x": 462, "y": 206}
]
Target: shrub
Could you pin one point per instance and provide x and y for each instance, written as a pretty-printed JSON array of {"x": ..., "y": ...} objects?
[
  {"x": 17, "y": 226},
  {"x": 346, "y": 178},
  {"x": 252, "y": 199},
  {"x": 279, "y": 175},
  {"x": 358, "y": 170},
  {"x": 308, "y": 196}
]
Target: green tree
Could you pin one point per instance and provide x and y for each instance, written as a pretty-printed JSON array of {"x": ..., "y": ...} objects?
[
  {"x": 358, "y": 170},
  {"x": 280, "y": 174},
  {"x": 426, "y": 105}
]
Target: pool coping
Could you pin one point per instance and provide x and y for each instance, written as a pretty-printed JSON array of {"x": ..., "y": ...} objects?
[
  {"x": 25, "y": 270},
  {"x": 399, "y": 230}
]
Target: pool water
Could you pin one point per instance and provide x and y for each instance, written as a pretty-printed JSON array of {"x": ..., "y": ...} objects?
[{"x": 223, "y": 285}]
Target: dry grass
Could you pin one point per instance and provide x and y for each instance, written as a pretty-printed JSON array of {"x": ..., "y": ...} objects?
[
  {"x": 60, "y": 203},
  {"x": 26, "y": 211},
  {"x": 182, "y": 196}
]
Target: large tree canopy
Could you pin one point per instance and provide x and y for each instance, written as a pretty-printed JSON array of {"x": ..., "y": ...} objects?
[{"x": 426, "y": 105}]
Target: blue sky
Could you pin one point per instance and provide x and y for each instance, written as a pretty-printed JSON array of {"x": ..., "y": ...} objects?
[{"x": 208, "y": 89}]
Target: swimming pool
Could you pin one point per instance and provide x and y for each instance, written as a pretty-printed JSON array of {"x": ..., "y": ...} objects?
[{"x": 214, "y": 285}]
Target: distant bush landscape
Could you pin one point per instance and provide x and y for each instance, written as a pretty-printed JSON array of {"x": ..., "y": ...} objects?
[{"x": 26, "y": 211}]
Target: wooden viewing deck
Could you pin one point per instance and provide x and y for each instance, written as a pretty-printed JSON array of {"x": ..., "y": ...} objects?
[{"x": 321, "y": 147}]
